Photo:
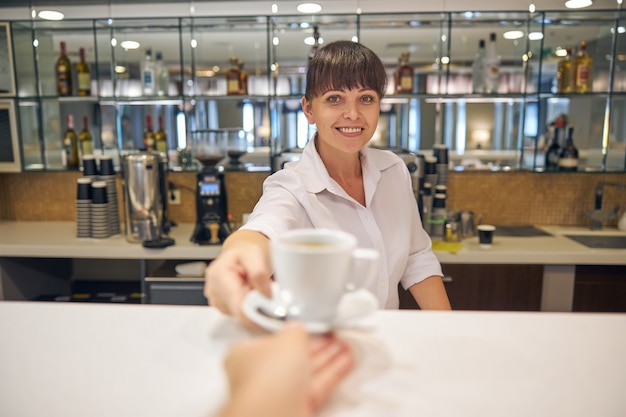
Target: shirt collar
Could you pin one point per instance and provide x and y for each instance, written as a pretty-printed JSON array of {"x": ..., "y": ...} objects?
[{"x": 315, "y": 177}]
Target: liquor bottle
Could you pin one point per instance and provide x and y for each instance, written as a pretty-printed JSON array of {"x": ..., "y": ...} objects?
[
  {"x": 316, "y": 42},
  {"x": 243, "y": 77},
  {"x": 163, "y": 76},
  {"x": 568, "y": 158},
  {"x": 148, "y": 135},
  {"x": 565, "y": 75},
  {"x": 478, "y": 69},
  {"x": 64, "y": 73},
  {"x": 551, "y": 162},
  {"x": 161, "y": 137},
  {"x": 148, "y": 74},
  {"x": 85, "y": 139},
  {"x": 582, "y": 65},
  {"x": 404, "y": 75},
  {"x": 83, "y": 75},
  {"x": 492, "y": 66},
  {"x": 70, "y": 146},
  {"x": 233, "y": 78}
]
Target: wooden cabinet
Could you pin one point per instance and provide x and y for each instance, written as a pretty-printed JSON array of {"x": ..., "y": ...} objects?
[
  {"x": 489, "y": 287},
  {"x": 600, "y": 288}
]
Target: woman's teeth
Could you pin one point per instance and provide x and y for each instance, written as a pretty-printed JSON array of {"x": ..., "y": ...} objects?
[{"x": 350, "y": 129}]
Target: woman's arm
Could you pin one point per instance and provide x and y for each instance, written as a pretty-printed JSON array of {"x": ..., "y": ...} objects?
[
  {"x": 430, "y": 294},
  {"x": 243, "y": 264}
]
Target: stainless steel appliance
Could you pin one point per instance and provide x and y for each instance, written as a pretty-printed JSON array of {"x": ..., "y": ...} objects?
[{"x": 144, "y": 199}]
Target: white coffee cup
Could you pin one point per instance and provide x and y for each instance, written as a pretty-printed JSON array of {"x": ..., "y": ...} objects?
[{"x": 314, "y": 268}]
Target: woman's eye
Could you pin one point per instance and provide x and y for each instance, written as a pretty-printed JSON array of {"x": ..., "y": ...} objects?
[
  {"x": 367, "y": 99},
  {"x": 333, "y": 99}
]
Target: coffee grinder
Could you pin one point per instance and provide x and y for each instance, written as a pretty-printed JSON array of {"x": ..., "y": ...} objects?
[{"x": 212, "y": 227}]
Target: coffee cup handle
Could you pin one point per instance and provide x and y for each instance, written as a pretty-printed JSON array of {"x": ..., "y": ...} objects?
[{"x": 365, "y": 263}]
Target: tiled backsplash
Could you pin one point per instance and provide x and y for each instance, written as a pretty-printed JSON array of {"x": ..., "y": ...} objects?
[{"x": 504, "y": 198}]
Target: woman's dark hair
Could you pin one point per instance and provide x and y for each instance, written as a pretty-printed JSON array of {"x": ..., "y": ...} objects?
[{"x": 344, "y": 65}]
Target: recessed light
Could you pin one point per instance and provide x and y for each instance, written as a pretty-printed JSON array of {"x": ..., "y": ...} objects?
[
  {"x": 309, "y": 8},
  {"x": 535, "y": 36},
  {"x": 578, "y": 4},
  {"x": 130, "y": 44},
  {"x": 120, "y": 69},
  {"x": 310, "y": 40},
  {"x": 513, "y": 34},
  {"x": 50, "y": 15}
]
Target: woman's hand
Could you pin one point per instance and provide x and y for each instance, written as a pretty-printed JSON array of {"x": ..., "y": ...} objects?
[
  {"x": 243, "y": 265},
  {"x": 286, "y": 374}
]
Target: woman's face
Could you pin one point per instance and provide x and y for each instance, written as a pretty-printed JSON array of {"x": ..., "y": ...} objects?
[{"x": 346, "y": 119}]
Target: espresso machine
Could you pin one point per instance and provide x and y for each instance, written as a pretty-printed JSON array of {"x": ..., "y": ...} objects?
[
  {"x": 144, "y": 200},
  {"x": 212, "y": 226}
]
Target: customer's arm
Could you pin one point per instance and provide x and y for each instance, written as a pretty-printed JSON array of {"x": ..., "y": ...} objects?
[
  {"x": 430, "y": 294},
  {"x": 243, "y": 264}
]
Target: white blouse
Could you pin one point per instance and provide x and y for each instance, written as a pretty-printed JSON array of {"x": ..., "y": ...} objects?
[{"x": 303, "y": 195}]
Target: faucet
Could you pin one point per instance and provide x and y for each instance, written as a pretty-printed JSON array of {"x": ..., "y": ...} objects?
[{"x": 597, "y": 216}]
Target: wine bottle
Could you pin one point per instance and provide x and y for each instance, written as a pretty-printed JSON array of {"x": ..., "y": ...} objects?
[
  {"x": 148, "y": 74},
  {"x": 163, "y": 76},
  {"x": 243, "y": 78},
  {"x": 161, "y": 137},
  {"x": 64, "y": 73},
  {"x": 492, "y": 66},
  {"x": 233, "y": 78},
  {"x": 565, "y": 76},
  {"x": 83, "y": 75},
  {"x": 551, "y": 162},
  {"x": 148, "y": 135},
  {"x": 85, "y": 139},
  {"x": 568, "y": 158},
  {"x": 404, "y": 75},
  {"x": 70, "y": 146},
  {"x": 582, "y": 64},
  {"x": 478, "y": 69}
]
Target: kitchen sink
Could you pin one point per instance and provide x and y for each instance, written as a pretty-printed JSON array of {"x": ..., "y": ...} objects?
[
  {"x": 600, "y": 241},
  {"x": 520, "y": 231}
]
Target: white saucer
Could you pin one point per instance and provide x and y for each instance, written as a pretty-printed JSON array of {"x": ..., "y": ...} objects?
[{"x": 353, "y": 307}]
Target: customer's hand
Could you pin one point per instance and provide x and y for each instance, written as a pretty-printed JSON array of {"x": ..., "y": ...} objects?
[
  {"x": 243, "y": 265},
  {"x": 286, "y": 374}
]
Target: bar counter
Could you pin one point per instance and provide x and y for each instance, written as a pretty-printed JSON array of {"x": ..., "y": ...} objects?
[
  {"x": 75, "y": 359},
  {"x": 48, "y": 239}
]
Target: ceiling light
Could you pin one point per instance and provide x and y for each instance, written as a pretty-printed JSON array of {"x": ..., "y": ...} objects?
[
  {"x": 130, "y": 45},
  {"x": 120, "y": 69},
  {"x": 50, "y": 15},
  {"x": 535, "y": 36},
  {"x": 513, "y": 34},
  {"x": 578, "y": 4},
  {"x": 560, "y": 52},
  {"x": 309, "y": 8},
  {"x": 310, "y": 40}
]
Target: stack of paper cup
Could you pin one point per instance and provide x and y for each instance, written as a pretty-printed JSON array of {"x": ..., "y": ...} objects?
[
  {"x": 440, "y": 152},
  {"x": 83, "y": 207},
  {"x": 430, "y": 170},
  {"x": 107, "y": 174},
  {"x": 100, "y": 224}
]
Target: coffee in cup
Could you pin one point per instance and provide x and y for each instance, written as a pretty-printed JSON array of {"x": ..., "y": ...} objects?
[{"x": 314, "y": 268}]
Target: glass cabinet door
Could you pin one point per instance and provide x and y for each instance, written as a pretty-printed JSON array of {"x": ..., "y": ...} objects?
[{"x": 572, "y": 37}]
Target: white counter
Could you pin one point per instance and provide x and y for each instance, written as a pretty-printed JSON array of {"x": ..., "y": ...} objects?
[
  {"x": 72, "y": 359},
  {"x": 57, "y": 240}
]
